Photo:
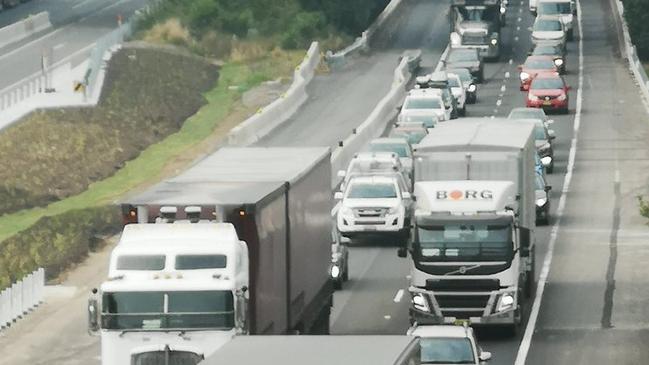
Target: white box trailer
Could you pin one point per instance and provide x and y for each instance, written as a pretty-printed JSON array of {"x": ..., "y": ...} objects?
[{"x": 483, "y": 149}]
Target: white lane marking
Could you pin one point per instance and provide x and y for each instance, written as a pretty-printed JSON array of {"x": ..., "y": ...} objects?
[
  {"x": 387, "y": 316},
  {"x": 511, "y": 61},
  {"x": 507, "y": 74},
  {"x": 499, "y": 102},
  {"x": 520, "y": 10},
  {"x": 503, "y": 88},
  {"x": 516, "y": 39},
  {"x": 519, "y": 19},
  {"x": 617, "y": 176},
  {"x": 58, "y": 46},
  {"x": 398, "y": 296},
  {"x": 518, "y": 28},
  {"x": 440, "y": 64},
  {"x": 526, "y": 342}
]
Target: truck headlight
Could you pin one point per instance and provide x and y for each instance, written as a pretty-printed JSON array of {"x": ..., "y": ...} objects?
[
  {"x": 541, "y": 202},
  {"x": 420, "y": 302},
  {"x": 494, "y": 42},
  {"x": 472, "y": 88},
  {"x": 506, "y": 302}
]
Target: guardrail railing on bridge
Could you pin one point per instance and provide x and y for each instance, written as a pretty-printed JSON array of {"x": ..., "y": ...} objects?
[{"x": 22, "y": 297}]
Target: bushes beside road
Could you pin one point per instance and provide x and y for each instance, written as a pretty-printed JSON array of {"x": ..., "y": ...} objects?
[
  {"x": 55, "y": 243},
  {"x": 636, "y": 13}
]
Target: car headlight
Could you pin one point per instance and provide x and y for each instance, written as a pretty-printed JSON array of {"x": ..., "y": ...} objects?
[
  {"x": 541, "y": 202},
  {"x": 502, "y": 10},
  {"x": 532, "y": 97},
  {"x": 393, "y": 210},
  {"x": 494, "y": 42},
  {"x": 524, "y": 76},
  {"x": 562, "y": 97},
  {"x": 420, "y": 302},
  {"x": 472, "y": 88},
  {"x": 506, "y": 302},
  {"x": 546, "y": 161},
  {"x": 558, "y": 62},
  {"x": 335, "y": 271},
  {"x": 346, "y": 211}
]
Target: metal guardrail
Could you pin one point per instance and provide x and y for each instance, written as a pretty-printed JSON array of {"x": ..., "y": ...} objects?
[
  {"x": 22, "y": 297},
  {"x": 23, "y": 90},
  {"x": 630, "y": 52}
]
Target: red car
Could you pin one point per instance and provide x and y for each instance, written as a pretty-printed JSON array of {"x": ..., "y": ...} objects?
[
  {"x": 548, "y": 91},
  {"x": 533, "y": 66}
]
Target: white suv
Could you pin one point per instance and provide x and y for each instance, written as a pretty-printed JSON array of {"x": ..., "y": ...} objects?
[
  {"x": 424, "y": 102},
  {"x": 374, "y": 205},
  {"x": 449, "y": 345},
  {"x": 373, "y": 163}
]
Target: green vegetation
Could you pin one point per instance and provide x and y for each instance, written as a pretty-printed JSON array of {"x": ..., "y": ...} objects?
[
  {"x": 644, "y": 206},
  {"x": 636, "y": 13},
  {"x": 56, "y": 242},
  {"x": 148, "y": 166},
  {"x": 292, "y": 24}
]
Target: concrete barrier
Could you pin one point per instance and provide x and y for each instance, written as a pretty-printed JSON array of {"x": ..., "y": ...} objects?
[
  {"x": 280, "y": 110},
  {"x": 24, "y": 28},
  {"x": 385, "y": 111},
  {"x": 363, "y": 43}
]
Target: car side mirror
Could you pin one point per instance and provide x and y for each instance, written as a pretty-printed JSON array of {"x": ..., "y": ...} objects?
[
  {"x": 485, "y": 356},
  {"x": 568, "y": 88},
  {"x": 547, "y": 188},
  {"x": 551, "y": 134},
  {"x": 338, "y": 195},
  {"x": 530, "y": 29},
  {"x": 402, "y": 252},
  {"x": 406, "y": 195},
  {"x": 342, "y": 173}
]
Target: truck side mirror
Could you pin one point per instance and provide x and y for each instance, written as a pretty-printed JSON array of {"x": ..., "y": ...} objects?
[
  {"x": 547, "y": 188},
  {"x": 402, "y": 252},
  {"x": 93, "y": 313},
  {"x": 552, "y": 134}
]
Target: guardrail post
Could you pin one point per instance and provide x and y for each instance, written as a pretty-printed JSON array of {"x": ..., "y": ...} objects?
[{"x": 4, "y": 308}]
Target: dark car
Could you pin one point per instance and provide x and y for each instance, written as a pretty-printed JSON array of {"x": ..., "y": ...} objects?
[
  {"x": 554, "y": 51},
  {"x": 468, "y": 58},
  {"x": 542, "y": 192}
]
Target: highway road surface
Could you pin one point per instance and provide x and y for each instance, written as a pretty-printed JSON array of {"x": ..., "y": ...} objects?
[
  {"x": 77, "y": 25},
  {"x": 591, "y": 306}
]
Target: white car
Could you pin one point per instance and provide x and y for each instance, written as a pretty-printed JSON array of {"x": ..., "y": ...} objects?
[
  {"x": 373, "y": 163},
  {"x": 549, "y": 30},
  {"x": 459, "y": 92},
  {"x": 374, "y": 205},
  {"x": 562, "y": 10},
  {"x": 424, "y": 102},
  {"x": 397, "y": 145},
  {"x": 447, "y": 344}
]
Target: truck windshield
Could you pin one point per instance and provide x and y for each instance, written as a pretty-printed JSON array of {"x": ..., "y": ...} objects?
[
  {"x": 372, "y": 191},
  {"x": 184, "y": 310},
  {"x": 141, "y": 262},
  {"x": 446, "y": 351},
  {"x": 554, "y": 8},
  {"x": 464, "y": 241},
  {"x": 197, "y": 262}
]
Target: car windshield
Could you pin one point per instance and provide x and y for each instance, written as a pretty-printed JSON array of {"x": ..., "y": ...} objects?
[
  {"x": 412, "y": 136},
  {"x": 539, "y": 132},
  {"x": 536, "y": 64},
  {"x": 462, "y": 241},
  {"x": 547, "y": 25},
  {"x": 550, "y": 83},
  {"x": 546, "y": 51},
  {"x": 428, "y": 120},
  {"x": 463, "y": 56},
  {"x": 540, "y": 184},
  {"x": 422, "y": 103},
  {"x": 168, "y": 310},
  {"x": 454, "y": 82},
  {"x": 527, "y": 113},
  {"x": 554, "y": 8},
  {"x": 446, "y": 351},
  {"x": 401, "y": 149},
  {"x": 372, "y": 191}
]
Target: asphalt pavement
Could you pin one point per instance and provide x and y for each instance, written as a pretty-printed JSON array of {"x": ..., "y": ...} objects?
[{"x": 77, "y": 25}]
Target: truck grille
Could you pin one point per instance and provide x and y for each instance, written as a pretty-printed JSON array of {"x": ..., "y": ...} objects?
[
  {"x": 462, "y": 306},
  {"x": 370, "y": 212}
]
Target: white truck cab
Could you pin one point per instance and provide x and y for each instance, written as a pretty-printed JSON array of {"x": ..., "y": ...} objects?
[
  {"x": 174, "y": 291},
  {"x": 449, "y": 344},
  {"x": 372, "y": 205}
]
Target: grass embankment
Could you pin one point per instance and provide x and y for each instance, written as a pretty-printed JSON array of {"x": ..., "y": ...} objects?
[{"x": 235, "y": 78}]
